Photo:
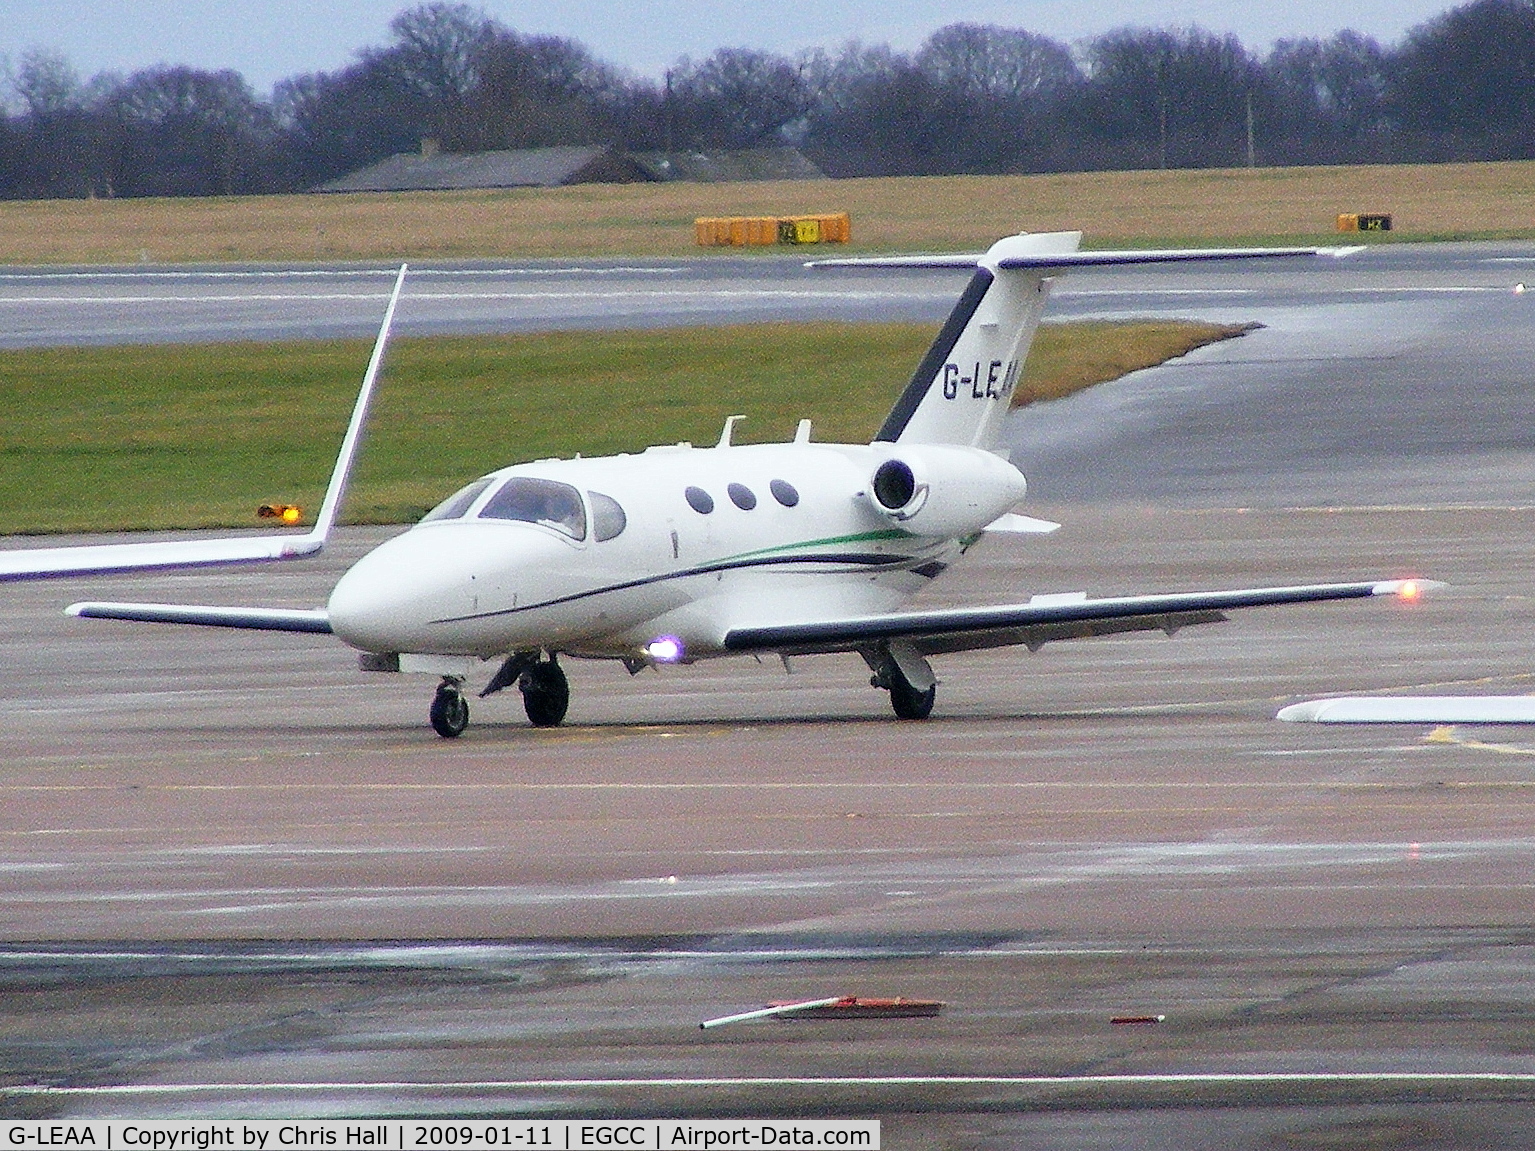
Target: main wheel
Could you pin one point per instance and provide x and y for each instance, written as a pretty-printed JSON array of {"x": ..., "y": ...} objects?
[
  {"x": 908, "y": 702},
  {"x": 545, "y": 694},
  {"x": 450, "y": 712}
]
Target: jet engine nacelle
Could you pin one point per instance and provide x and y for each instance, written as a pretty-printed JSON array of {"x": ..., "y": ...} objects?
[{"x": 939, "y": 490}]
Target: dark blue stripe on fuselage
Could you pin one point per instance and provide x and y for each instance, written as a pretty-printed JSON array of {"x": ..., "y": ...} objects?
[{"x": 863, "y": 559}]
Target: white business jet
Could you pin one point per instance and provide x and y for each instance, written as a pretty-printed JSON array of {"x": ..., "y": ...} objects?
[{"x": 677, "y": 553}]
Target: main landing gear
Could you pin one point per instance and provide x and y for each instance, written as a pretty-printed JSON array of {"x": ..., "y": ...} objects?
[
  {"x": 907, "y": 677},
  {"x": 545, "y": 693}
]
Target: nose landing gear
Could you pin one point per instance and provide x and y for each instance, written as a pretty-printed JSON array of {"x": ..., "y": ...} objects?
[{"x": 450, "y": 710}]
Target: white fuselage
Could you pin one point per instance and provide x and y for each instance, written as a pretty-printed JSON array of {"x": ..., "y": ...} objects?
[{"x": 793, "y": 533}]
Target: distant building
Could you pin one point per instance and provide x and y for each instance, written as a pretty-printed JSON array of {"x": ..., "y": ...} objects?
[
  {"x": 434, "y": 171},
  {"x": 729, "y": 167},
  {"x": 430, "y": 171}
]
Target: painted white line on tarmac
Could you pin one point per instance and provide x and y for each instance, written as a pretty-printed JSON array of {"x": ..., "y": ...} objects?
[{"x": 458, "y": 297}]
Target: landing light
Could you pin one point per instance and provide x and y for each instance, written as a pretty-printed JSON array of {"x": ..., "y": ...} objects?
[
  {"x": 664, "y": 649},
  {"x": 1411, "y": 590}
]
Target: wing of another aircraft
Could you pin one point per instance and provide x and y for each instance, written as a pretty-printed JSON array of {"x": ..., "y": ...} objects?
[
  {"x": 92, "y": 559},
  {"x": 1043, "y": 620}
]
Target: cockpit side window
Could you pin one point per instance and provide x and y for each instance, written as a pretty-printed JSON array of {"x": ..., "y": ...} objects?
[
  {"x": 458, "y": 503},
  {"x": 535, "y": 501},
  {"x": 608, "y": 519}
]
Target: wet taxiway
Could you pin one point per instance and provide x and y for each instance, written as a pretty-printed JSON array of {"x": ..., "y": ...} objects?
[
  {"x": 241, "y": 877},
  {"x": 1102, "y": 828}
]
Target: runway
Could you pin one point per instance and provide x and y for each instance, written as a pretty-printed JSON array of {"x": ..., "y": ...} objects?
[
  {"x": 235, "y": 860},
  {"x": 157, "y": 304}
]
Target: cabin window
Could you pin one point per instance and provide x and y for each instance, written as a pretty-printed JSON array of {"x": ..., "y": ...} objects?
[
  {"x": 608, "y": 519},
  {"x": 458, "y": 503},
  {"x": 742, "y": 496},
  {"x": 543, "y": 502},
  {"x": 699, "y": 500},
  {"x": 783, "y": 491}
]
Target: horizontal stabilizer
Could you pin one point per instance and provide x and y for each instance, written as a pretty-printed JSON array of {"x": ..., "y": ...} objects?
[
  {"x": 1084, "y": 259},
  {"x": 1046, "y": 619},
  {"x": 251, "y": 618},
  {"x": 1013, "y": 522},
  {"x": 1414, "y": 709}
]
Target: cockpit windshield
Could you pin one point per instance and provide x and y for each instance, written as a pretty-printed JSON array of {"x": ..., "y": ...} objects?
[
  {"x": 535, "y": 501},
  {"x": 458, "y": 503}
]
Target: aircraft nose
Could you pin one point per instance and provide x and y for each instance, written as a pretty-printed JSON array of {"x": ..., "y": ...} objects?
[{"x": 421, "y": 591}]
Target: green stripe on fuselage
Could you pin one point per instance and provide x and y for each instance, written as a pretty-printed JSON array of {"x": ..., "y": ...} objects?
[{"x": 861, "y": 537}]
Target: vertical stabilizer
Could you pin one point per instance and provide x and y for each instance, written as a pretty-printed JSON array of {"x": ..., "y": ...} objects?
[{"x": 964, "y": 385}]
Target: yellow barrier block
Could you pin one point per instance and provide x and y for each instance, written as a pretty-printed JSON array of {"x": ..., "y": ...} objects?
[{"x": 740, "y": 231}]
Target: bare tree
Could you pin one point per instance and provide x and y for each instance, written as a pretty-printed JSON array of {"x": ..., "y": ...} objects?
[
  {"x": 1009, "y": 64},
  {"x": 736, "y": 98}
]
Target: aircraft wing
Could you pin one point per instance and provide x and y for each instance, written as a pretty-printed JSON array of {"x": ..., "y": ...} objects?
[
  {"x": 314, "y": 620},
  {"x": 57, "y": 563},
  {"x": 92, "y": 559},
  {"x": 1045, "y": 619}
]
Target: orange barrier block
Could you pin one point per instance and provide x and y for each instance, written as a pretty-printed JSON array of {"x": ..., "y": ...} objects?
[{"x": 740, "y": 231}]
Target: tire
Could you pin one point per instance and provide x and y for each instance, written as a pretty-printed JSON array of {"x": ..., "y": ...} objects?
[
  {"x": 908, "y": 702},
  {"x": 545, "y": 694},
  {"x": 450, "y": 713}
]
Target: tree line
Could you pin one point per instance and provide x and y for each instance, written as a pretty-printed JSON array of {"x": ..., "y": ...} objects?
[{"x": 973, "y": 98}]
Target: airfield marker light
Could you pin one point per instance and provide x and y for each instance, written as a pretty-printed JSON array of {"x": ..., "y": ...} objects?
[
  {"x": 287, "y": 513},
  {"x": 664, "y": 649}
]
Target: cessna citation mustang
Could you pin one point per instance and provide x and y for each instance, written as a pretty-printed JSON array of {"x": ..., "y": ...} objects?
[{"x": 677, "y": 553}]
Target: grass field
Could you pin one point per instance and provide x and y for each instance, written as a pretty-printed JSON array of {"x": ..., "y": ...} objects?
[
  {"x": 1440, "y": 201},
  {"x": 96, "y": 439}
]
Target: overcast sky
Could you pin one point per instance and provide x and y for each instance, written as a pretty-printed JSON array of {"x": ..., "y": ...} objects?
[{"x": 267, "y": 40}]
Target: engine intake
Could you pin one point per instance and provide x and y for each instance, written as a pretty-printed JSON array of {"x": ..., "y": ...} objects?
[{"x": 895, "y": 486}]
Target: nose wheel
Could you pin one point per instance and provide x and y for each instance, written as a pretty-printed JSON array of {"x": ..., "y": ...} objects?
[{"x": 450, "y": 710}]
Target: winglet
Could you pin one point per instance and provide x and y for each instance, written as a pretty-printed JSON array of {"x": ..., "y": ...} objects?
[{"x": 311, "y": 543}]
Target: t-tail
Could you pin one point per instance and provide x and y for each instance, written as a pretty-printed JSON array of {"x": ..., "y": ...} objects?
[{"x": 963, "y": 388}]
